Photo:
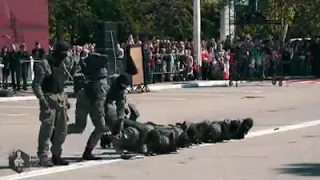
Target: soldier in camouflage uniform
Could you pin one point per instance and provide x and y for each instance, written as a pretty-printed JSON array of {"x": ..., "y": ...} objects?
[
  {"x": 143, "y": 138},
  {"x": 116, "y": 103},
  {"x": 91, "y": 100},
  {"x": 113, "y": 111},
  {"x": 48, "y": 86},
  {"x": 134, "y": 136}
]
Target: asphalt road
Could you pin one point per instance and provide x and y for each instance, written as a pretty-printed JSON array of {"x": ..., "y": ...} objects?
[{"x": 288, "y": 155}]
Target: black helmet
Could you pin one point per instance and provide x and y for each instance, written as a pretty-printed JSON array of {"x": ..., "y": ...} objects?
[{"x": 61, "y": 46}]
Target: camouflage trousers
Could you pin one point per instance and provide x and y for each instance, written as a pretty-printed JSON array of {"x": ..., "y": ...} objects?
[
  {"x": 54, "y": 118},
  {"x": 84, "y": 107}
]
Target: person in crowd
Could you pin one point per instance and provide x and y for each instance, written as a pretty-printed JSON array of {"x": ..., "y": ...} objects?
[
  {"x": 38, "y": 53},
  {"x": 24, "y": 59},
  {"x": 205, "y": 63},
  {"x": 120, "y": 52},
  {"x": 6, "y": 69},
  {"x": 15, "y": 68}
]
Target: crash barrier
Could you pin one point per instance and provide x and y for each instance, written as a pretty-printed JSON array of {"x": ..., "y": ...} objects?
[
  {"x": 168, "y": 70},
  {"x": 29, "y": 68},
  {"x": 267, "y": 66},
  {"x": 163, "y": 69},
  {"x": 173, "y": 70},
  {"x": 29, "y": 64}
]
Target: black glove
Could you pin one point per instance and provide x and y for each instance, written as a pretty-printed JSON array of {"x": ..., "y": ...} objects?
[
  {"x": 46, "y": 112},
  {"x": 68, "y": 105},
  {"x": 44, "y": 103}
]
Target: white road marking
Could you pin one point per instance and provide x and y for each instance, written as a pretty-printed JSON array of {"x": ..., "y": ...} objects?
[
  {"x": 304, "y": 82},
  {"x": 157, "y": 98},
  {"x": 19, "y": 107},
  {"x": 214, "y": 90},
  {"x": 253, "y": 91},
  {"x": 187, "y": 94},
  {"x": 17, "y": 98},
  {"x": 89, "y": 164},
  {"x": 28, "y": 107},
  {"x": 13, "y": 115}
]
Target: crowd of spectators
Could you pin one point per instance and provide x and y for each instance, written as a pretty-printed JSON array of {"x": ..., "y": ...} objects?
[{"x": 171, "y": 60}]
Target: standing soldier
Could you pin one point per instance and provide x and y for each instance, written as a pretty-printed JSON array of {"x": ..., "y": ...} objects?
[
  {"x": 48, "y": 86},
  {"x": 95, "y": 99},
  {"x": 91, "y": 100},
  {"x": 114, "y": 111}
]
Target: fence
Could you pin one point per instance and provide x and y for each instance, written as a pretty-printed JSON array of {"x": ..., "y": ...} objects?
[
  {"x": 30, "y": 70},
  {"x": 167, "y": 69},
  {"x": 113, "y": 67},
  {"x": 170, "y": 67}
]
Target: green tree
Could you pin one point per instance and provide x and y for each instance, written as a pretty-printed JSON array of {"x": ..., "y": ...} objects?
[
  {"x": 307, "y": 19},
  {"x": 157, "y": 17},
  {"x": 210, "y": 19},
  {"x": 67, "y": 14}
]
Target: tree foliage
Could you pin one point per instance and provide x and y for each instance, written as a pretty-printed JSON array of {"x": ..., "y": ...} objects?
[
  {"x": 300, "y": 18},
  {"x": 171, "y": 18},
  {"x": 165, "y": 18}
]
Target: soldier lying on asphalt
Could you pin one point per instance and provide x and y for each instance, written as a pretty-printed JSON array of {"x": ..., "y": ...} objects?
[
  {"x": 217, "y": 131},
  {"x": 143, "y": 138},
  {"x": 150, "y": 138}
]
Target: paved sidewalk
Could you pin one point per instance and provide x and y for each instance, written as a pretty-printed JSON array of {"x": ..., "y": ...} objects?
[{"x": 153, "y": 87}]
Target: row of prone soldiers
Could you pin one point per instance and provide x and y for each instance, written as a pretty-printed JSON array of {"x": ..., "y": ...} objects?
[{"x": 152, "y": 139}]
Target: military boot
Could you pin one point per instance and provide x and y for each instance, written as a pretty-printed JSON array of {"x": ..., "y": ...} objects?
[
  {"x": 105, "y": 141},
  {"x": 116, "y": 141},
  {"x": 58, "y": 161},
  {"x": 44, "y": 161},
  {"x": 88, "y": 156}
]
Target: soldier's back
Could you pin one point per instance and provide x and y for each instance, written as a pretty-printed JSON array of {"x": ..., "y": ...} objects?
[{"x": 96, "y": 63}]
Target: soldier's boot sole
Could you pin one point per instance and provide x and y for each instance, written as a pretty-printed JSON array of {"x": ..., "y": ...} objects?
[
  {"x": 88, "y": 156},
  {"x": 58, "y": 161},
  {"x": 45, "y": 162}
]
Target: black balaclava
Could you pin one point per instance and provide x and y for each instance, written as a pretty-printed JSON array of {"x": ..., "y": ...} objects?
[
  {"x": 122, "y": 81},
  {"x": 61, "y": 51}
]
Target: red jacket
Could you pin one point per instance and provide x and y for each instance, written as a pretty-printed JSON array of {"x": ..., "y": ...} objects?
[
  {"x": 196, "y": 68},
  {"x": 204, "y": 55}
]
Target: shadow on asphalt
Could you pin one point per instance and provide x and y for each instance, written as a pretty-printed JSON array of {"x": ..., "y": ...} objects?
[{"x": 301, "y": 169}]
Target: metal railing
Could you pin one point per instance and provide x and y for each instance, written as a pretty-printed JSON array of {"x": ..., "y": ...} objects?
[
  {"x": 168, "y": 70},
  {"x": 30, "y": 70}
]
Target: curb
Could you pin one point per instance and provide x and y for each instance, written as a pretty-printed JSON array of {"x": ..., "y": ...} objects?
[
  {"x": 18, "y": 98},
  {"x": 192, "y": 84},
  {"x": 152, "y": 87}
]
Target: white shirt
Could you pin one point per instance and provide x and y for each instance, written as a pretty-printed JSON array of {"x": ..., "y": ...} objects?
[{"x": 120, "y": 53}]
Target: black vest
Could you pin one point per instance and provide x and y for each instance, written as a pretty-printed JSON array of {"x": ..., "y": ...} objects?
[{"x": 55, "y": 82}]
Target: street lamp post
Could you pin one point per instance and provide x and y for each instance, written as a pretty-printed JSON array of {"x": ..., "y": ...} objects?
[{"x": 197, "y": 31}]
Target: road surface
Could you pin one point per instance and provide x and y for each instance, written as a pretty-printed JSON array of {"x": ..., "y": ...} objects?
[{"x": 284, "y": 144}]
